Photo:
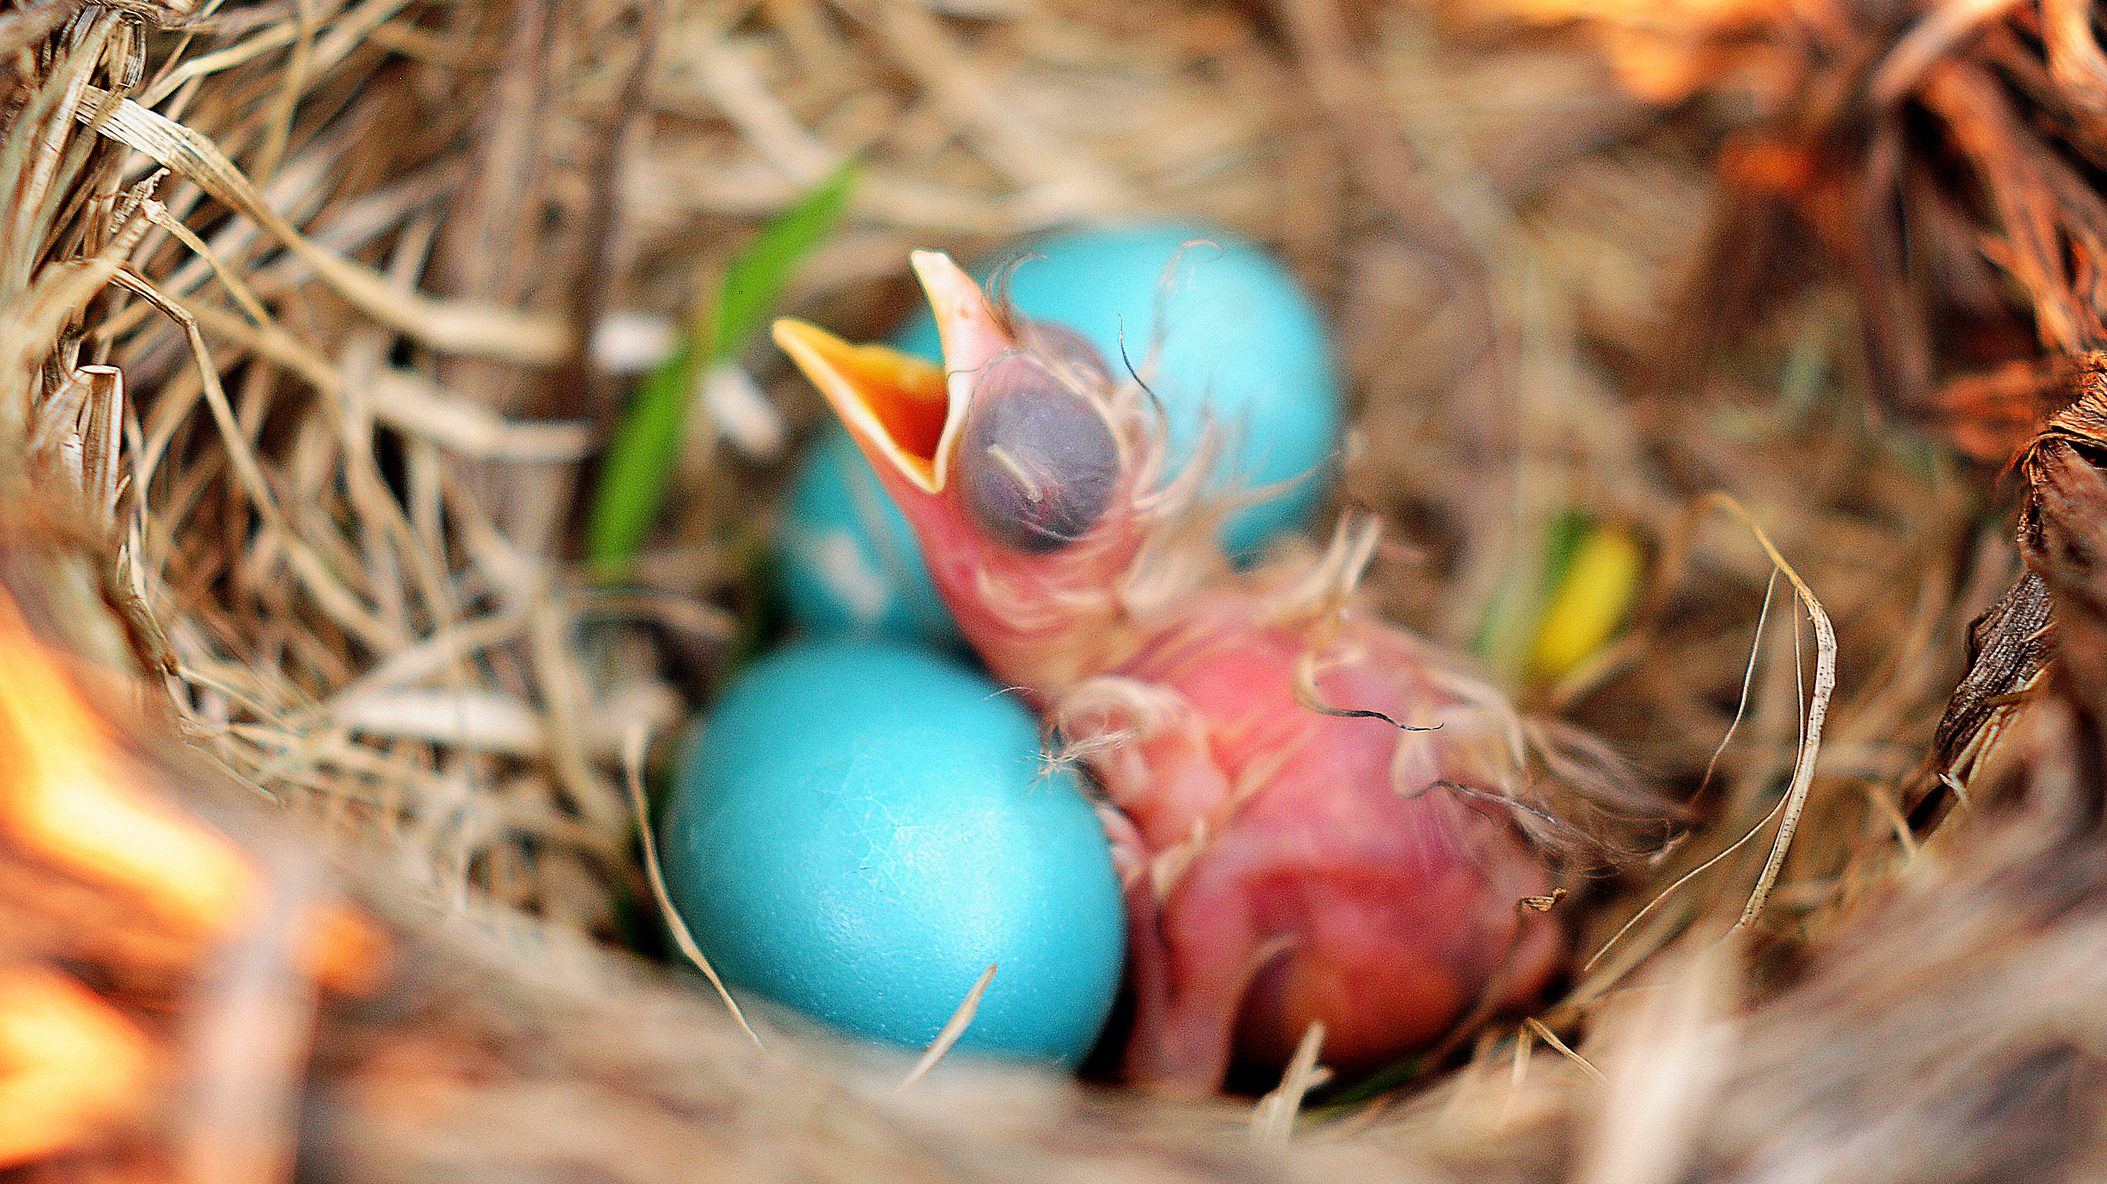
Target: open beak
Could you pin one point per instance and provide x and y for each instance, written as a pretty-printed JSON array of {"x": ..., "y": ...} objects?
[
  {"x": 902, "y": 411},
  {"x": 893, "y": 404}
]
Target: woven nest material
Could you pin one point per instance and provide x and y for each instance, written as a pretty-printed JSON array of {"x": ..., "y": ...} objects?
[{"x": 317, "y": 313}]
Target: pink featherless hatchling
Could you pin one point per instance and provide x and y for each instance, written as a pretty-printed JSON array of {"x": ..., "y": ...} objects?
[{"x": 1320, "y": 817}]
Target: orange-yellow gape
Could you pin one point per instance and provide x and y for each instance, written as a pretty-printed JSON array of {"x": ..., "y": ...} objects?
[{"x": 1319, "y": 816}]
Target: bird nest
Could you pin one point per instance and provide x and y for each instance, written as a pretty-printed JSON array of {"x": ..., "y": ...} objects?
[{"x": 319, "y": 312}]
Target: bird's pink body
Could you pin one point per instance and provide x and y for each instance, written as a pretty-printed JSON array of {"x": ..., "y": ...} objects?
[
  {"x": 1292, "y": 857},
  {"x": 1319, "y": 868}
]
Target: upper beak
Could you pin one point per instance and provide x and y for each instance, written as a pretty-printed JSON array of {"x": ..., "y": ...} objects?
[
  {"x": 973, "y": 334},
  {"x": 893, "y": 404},
  {"x": 901, "y": 410}
]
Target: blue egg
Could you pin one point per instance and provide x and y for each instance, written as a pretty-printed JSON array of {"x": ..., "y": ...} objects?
[
  {"x": 861, "y": 829},
  {"x": 849, "y": 562},
  {"x": 1241, "y": 347}
]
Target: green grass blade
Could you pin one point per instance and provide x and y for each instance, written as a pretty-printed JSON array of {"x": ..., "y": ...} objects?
[
  {"x": 755, "y": 279},
  {"x": 638, "y": 467},
  {"x": 641, "y": 458}
]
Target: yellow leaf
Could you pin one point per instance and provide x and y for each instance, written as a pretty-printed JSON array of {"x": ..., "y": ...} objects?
[{"x": 1591, "y": 601}]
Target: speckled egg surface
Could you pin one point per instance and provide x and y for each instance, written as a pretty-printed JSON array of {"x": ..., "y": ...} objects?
[
  {"x": 861, "y": 829},
  {"x": 1241, "y": 346}
]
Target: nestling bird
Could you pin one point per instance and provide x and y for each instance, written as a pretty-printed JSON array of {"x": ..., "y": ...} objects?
[{"x": 1319, "y": 817}]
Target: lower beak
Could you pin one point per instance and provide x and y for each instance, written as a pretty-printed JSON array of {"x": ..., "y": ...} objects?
[{"x": 894, "y": 404}]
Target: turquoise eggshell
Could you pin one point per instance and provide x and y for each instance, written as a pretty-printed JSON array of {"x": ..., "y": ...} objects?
[
  {"x": 848, "y": 561},
  {"x": 1242, "y": 347},
  {"x": 860, "y": 829}
]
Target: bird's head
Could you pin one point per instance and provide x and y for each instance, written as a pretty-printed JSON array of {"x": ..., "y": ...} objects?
[{"x": 1029, "y": 472}]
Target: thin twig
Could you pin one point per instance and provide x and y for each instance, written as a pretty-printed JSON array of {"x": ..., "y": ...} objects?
[
  {"x": 1273, "y": 1117},
  {"x": 1545, "y": 1034},
  {"x": 633, "y": 777},
  {"x": 949, "y": 1035}
]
